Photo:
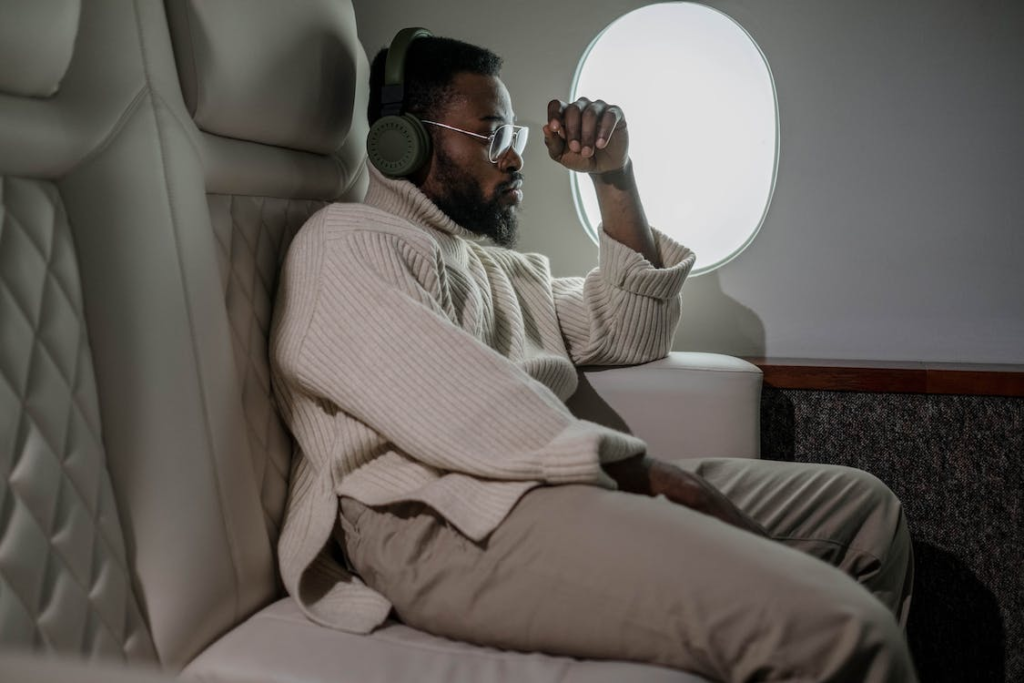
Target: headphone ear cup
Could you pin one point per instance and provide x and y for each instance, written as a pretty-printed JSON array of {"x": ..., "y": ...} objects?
[{"x": 398, "y": 145}]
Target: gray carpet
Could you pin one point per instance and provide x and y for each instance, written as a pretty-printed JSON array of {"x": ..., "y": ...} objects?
[{"x": 957, "y": 462}]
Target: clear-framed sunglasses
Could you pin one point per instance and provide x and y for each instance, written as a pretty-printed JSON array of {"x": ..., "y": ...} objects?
[{"x": 501, "y": 140}]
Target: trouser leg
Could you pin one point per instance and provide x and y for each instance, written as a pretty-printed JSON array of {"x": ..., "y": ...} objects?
[
  {"x": 842, "y": 515},
  {"x": 585, "y": 572}
]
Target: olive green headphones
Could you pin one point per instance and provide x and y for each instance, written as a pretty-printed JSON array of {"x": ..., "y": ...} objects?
[{"x": 398, "y": 143}]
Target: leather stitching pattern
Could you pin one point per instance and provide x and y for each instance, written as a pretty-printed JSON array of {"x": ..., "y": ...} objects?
[
  {"x": 65, "y": 584},
  {"x": 253, "y": 235}
]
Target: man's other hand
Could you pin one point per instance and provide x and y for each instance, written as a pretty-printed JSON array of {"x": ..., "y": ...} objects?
[
  {"x": 586, "y": 136},
  {"x": 647, "y": 476},
  {"x": 693, "y": 491}
]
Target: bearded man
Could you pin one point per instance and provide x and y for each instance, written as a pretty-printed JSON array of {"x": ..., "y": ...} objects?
[{"x": 423, "y": 365}]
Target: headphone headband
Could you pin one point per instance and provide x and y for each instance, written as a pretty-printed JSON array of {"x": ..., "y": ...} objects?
[
  {"x": 393, "y": 92},
  {"x": 394, "y": 67}
]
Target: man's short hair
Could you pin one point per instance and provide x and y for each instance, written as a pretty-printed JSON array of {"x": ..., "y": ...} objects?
[{"x": 430, "y": 66}]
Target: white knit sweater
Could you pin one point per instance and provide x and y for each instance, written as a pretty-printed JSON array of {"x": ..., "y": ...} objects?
[{"x": 412, "y": 362}]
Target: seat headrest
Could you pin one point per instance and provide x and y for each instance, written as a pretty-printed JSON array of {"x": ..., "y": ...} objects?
[
  {"x": 37, "y": 38},
  {"x": 269, "y": 72}
]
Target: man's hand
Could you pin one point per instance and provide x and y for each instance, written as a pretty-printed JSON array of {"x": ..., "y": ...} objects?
[
  {"x": 686, "y": 488},
  {"x": 591, "y": 137},
  {"x": 585, "y": 136},
  {"x": 647, "y": 476}
]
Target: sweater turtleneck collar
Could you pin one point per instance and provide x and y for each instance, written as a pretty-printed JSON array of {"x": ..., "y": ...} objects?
[{"x": 401, "y": 198}]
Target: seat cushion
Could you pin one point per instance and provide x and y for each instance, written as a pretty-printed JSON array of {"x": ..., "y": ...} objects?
[{"x": 280, "y": 644}]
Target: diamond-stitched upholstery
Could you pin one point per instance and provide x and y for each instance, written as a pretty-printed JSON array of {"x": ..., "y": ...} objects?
[
  {"x": 253, "y": 234},
  {"x": 64, "y": 579}
]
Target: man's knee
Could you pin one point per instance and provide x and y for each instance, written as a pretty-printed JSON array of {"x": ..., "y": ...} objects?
[
  {"x": 868, "y": 485},
  {"x": 873, "y": 504},
  {"x": 872, "y": 644},
  {"x": 849, "y": 637},
  {"x": 880, "y": 549},
  {"x": 871, "y": 501}
]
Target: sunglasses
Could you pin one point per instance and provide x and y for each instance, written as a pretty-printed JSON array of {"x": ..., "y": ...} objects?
[{"x": 503, "y": 139}]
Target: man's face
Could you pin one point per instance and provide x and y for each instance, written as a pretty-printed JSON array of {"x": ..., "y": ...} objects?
[{"x": 461, "y": 179}]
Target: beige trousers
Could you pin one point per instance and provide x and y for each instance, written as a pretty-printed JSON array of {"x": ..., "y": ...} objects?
[{"x": 591, "y": 573}]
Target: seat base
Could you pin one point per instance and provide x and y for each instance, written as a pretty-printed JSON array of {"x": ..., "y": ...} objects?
[{"x": 280, "y": 644}]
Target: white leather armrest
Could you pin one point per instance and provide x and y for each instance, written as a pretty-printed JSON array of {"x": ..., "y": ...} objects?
[{"x": 687, "y": 405}]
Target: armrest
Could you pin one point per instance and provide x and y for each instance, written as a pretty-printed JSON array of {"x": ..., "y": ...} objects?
[{"x": 686, "y": 405}]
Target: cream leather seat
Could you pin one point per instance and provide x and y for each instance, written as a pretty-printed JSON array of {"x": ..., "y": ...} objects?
[{"x": 155, "y": 160}]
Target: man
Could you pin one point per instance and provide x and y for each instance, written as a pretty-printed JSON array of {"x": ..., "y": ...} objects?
[{"x": 424, "y": 372}]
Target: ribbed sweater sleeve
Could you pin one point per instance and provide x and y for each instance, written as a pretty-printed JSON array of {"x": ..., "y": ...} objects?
[
  {"x": 625, "y": 311},
  {"x": 380, "y": 347}
]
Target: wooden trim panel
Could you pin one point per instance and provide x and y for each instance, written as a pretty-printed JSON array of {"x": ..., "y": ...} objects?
[{"x": 892, "y": 377}]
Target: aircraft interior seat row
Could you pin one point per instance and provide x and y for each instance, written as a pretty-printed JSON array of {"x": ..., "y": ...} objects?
[{"x": 156, "y": 157}]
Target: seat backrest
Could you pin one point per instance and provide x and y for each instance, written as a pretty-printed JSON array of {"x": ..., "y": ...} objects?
[
  {"x": 65, "y": 576},
  {"x": 178, "y": 195},
  {"x": 278, "y": 93}
]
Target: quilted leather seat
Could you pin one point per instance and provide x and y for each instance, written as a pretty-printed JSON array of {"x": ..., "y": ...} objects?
[{"x": 155, "y": 160}]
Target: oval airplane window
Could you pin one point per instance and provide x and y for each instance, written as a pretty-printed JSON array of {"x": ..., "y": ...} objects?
[{"x": 703, "y": 124}]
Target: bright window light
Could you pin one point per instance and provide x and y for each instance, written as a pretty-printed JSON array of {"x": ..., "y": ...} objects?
[{"x": 703, "y": 124}]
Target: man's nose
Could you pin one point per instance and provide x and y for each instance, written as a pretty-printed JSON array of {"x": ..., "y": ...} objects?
[{"x": 510, "y": 160}]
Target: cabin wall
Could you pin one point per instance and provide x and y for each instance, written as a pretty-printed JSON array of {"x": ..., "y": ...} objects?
[{"x": 896, "y": 231}]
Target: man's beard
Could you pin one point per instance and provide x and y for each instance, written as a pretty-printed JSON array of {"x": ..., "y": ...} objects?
[{"x": 465, "y": 204}]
